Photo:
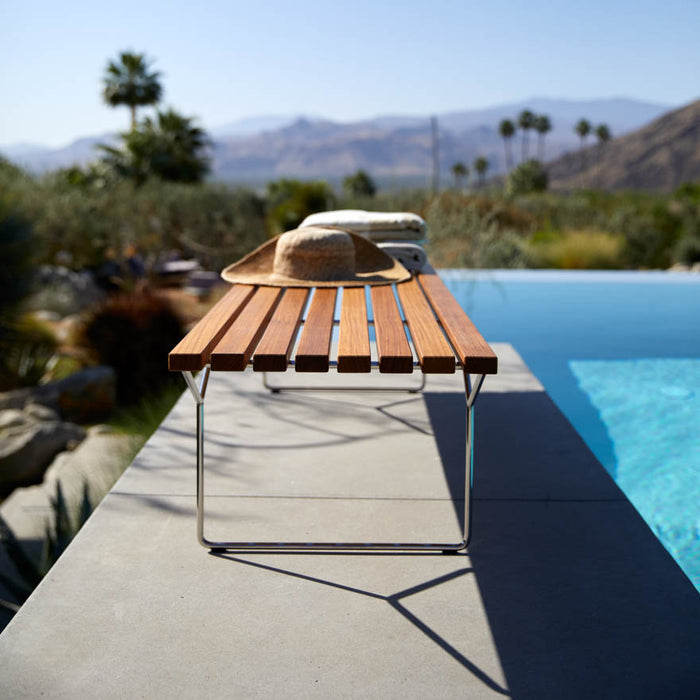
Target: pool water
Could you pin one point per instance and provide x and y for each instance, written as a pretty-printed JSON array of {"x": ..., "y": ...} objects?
[{"x": 619, "y": 353}]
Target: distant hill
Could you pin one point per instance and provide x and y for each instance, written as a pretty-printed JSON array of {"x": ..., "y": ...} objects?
[
  {"x": 396, "y": 147},
  {"x": 41, "y": 159},
  {"x": 392, "y": 148},
  {"x": 659, "y": 156}
]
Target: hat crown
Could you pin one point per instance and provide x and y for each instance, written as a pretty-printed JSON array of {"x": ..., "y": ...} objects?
[{"x": 315, "y": 253}]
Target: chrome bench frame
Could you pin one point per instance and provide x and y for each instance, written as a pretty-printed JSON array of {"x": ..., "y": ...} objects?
[{"x": 471, "y": 388}]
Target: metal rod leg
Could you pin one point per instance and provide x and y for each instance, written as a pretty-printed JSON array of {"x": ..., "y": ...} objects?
[
  {"x": 200, "y": 474},
  {"x": 198, "y": 394},
  {"x": 471, "y": 392}
]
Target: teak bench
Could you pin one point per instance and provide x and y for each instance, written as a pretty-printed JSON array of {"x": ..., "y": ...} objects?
[{"x": 260, "y": 325}]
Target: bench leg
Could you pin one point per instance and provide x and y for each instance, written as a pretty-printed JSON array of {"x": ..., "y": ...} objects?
[
  {"x": 198, "y": 393},
  {"x": 471, "y": 391}
]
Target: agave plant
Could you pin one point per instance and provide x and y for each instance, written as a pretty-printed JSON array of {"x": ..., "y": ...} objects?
[{"x": 58, "y": 537}]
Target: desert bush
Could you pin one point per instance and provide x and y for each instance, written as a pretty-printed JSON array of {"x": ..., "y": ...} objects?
[
  {"x": 463, "y": 233},
  {"x": 27, "y": 352},
  {"x": 527, "y": 177},
  {"x": 289, "y": 202},
  {"x": 577, "y": 250},
  {"x": 89, "y": 223},
  {"x": 60, "y": 530},
  {"x": 360, "y": 184},
  {"x": 16, "y": 248},
  {"x": 687, "y": 250},
  {"x": 133, "y": 333}
]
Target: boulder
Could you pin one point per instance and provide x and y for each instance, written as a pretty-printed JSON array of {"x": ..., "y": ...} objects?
[
  {"x": 87, "y": 395},
  {"x": 26, "y": 450},
  {"x": 64, "y": 291},
  {"x": 39, "y": 412},
  {"x": 13, "y": 418},
  {"x": 84, "y": 396}
]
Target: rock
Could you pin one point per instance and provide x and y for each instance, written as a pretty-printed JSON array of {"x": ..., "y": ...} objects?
[
  {"x": 101, "y": 429},
  {"x": 88, "y": 395},
  {"x": 64, "y": 291},
  {"x": 84, "y": 396},
  {"x": 12, "y": 418},
  {"x": 47, "y": 316},
  {"x": 39, "y": 412},
  {"x": 27, "y": 450},
  {"x": 18, "y": 399},
  {"x": 98, "y": 462}
]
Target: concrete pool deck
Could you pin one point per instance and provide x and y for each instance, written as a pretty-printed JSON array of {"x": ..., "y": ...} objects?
[{"x": 565, "y": 592}]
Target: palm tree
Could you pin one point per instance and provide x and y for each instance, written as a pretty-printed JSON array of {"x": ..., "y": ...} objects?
[
  {"x": 542, "y": 127},
  {"x": 602, "y": 132},
  {"x": 481, "y": 165},
  {"x": 506, "y": 129},
  {"x": 460, "y": 172},
  {"x": 129, "y": 82},
  {"x": 526, "y": 120},
  {"x": 169, "y": 147},
  {"x": 583, "y": 128}
]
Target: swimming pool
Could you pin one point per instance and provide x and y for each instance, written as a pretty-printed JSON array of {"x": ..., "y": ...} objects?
[{"x": 619, "y": 353}]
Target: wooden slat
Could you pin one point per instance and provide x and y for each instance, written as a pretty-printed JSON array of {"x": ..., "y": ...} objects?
[
  {"x": 353, "y": 340},
  {"x": 473, "y": 351},
  {"x": 235, "y": 348},
  {"x": 272, "y": 354},
  {"x": 434, "y": 352},
  {"x": 315, "y": 342},
  {"x": 193, "y": 351},
  {"x": 394, "y": 352}
]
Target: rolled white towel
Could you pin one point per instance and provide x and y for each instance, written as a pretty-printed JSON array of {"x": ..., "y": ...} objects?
[
  {"x": 410, "y": 255},
  {"x": 406, "y": 235},
  {"x": 372, "y": 224}
]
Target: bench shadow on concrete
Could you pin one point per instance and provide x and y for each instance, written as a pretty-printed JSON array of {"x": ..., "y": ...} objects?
[
  {"x": 582, "y": 600},
  {"x": 394, "y": 600}
]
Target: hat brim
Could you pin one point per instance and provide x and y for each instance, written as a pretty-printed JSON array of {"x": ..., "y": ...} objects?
[{"x": 372, "y": 267}]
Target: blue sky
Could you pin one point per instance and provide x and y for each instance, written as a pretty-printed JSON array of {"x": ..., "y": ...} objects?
[{"x": 222, "y": 61}]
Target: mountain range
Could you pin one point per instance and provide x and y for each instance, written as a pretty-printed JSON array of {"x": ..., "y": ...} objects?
[
  {"x": 392, "y": 148},
  {"x": 659, "y": 156}
]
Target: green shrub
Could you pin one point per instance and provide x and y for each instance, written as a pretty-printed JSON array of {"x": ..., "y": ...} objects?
[
  {"x": 16, "y": 246},
  {"x": 527, "y": 177},
  {"x": 687, "y": 250},
  {"x": 465, "y": 233},
  {"x": 578, "y": 250},
  {"x": 90, "y": 222},
  {"x": 688, "y": 191},
  {"x": 359, "y": 185},
  {"x": 291, "y": 201},
  {"x": 133, "y": 333},
  {"x": 27, "y": 352},
  {"x": 60, "y": 531}
]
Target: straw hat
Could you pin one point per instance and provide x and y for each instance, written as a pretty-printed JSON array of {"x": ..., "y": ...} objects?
[{"x": 316, "y": 257}]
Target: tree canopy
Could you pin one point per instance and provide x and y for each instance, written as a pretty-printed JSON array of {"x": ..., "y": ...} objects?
[
  {"x": 359, "y": 184},
  {"x": 129, "y": 81},
  {"x": 168, "y": 146},
  {"x": 582, "y": 129},
  {"x": 603, "y": 133},
  {"x": 481, "y": 165}
]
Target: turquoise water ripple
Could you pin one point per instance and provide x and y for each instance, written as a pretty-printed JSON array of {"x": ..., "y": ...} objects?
[{"x": 651, "y": 409}]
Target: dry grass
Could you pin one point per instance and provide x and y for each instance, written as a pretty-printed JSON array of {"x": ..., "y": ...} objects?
[{"x": 578, "y": 250}]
